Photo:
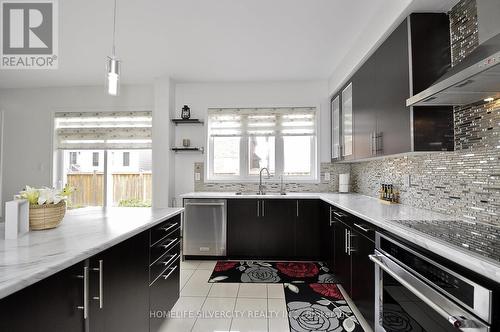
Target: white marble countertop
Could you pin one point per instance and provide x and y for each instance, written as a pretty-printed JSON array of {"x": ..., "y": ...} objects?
[
  {"x": 384, "y": 216},
  {"x": 82, "y": 234}
]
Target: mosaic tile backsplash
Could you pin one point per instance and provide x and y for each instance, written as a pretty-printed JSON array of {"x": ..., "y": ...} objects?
[{"x": 322, "y": 186}]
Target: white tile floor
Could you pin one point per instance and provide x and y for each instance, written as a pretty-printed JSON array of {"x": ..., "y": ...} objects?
[
  {"x": 225, "y": 307},
  {"x": 228, "y": 307}
]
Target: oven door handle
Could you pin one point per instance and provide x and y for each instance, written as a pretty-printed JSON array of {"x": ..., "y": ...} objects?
[{"x": 457, "y": 317}]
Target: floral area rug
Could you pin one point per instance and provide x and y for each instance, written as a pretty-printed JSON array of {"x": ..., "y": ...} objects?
[
  {"x": 318, "y": 307},
  {"x": 272, "y": 272}
]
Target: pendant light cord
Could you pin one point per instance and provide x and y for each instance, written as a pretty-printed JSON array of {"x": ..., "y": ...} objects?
[{"x": 114, "y": 29}]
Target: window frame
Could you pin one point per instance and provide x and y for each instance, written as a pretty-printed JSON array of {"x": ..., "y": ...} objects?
[{"x": 244, "y": 175}]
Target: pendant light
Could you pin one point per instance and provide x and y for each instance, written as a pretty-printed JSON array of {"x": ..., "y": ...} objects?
[{"x": 113, "y": 65}]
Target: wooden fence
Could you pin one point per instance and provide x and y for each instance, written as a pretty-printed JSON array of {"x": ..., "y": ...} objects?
[{"x": 126, "y": 186}]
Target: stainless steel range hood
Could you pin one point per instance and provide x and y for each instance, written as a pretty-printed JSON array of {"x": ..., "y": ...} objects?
[{"x": 477, "y": 77}]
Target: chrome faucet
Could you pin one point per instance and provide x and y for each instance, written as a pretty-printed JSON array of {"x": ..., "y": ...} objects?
[{"x": 261, "y": 186}]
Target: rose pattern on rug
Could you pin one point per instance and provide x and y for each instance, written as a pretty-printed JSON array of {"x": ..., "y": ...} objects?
[
  {"x": 272, "y": 272},
  {"x": 318, "y": 307},
  {"x": 259, "y": 273},
  {"x": 222, "y": 266},
  {"x": 329, "y": 290},
  {"x": 298, "y": 269}
]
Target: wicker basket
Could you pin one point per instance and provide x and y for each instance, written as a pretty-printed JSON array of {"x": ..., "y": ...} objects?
[{"x": 46, "y": 216}]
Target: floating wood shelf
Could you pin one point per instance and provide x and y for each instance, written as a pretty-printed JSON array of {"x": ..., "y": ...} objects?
[
  {"x": 187, "y": 121},
  {"x": 183, "y": 149}
]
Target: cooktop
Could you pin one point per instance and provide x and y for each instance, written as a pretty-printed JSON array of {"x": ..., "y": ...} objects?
[{"x": 477, "y": 237}]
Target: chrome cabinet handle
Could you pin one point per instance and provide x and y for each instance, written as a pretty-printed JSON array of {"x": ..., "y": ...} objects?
[
  {"x": 172, "y": 269},
  {"x": 345, "y": 240},
  {"x": 349, "y": 246},
  {"x": 332, "y": 219},
  {"x": 258, "y": 208},
  {"x": 297, "y": 208},
  {"x": 166, "y": 229},
  {"x": 364, "y": 229},
  {"x": 263, "y": 209},
  {"x": 172, "y": 258},
  {"x": 85, "y": 306},
  {"x": 101, "y": 289},
  {"x": 166, "y": 246},
  {"x": 338, "y": 214}
]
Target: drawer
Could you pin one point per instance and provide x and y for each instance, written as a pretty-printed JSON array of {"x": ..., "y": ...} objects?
[
  {"x": 166, "y": 228},
  {"x": 170, "y": 245},
  {"x": 163, "y": 293},
  {"x": 338, "y": 215},
  {"x": 164, "y": 267}
]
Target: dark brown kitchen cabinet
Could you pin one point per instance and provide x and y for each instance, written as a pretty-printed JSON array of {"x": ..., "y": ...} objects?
[
  {"x": 119, "y": 292},
  {"x": 307, "y": 229},
  {"x": 354, "y": 242},
  {"x": 277, "y": 220},
  {"x": 164, "y": 270},
  {"x": 51, "y": 304},
  {"x": 243, "y": 228},
  {"x": 412, "y": 57},
  {"x": 273, "y": 228},
  {"x": 342, "y": 267},
  {"x": 363, "y": 271}
]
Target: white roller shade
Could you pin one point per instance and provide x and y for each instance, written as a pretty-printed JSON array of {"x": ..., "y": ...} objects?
[
  {"x": 103, "y": 130},
  {"x": 296, "y": 121}
]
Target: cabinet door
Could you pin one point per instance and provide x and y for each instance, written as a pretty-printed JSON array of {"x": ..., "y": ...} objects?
[
  {"x": 308, "y": 230},
  {"x": 243, "y": 228},
  {"x": 48, "y": 305},
  {"x": 364, "y": 109},
  {"x": 327, "y": 235},
  {"x": 123, "y": 284},
  {"x": 392, "y": 74},
  {"x": 277, "y": 232},
  {"x": 347, "y": 123},
  {"x": 342, "y": 268},
  {"x": 336, "y": 128},
  {"x": 363, "y": 276}
]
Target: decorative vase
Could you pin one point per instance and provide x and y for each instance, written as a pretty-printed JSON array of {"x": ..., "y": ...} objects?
[
  {"x": 186, "y": 112},
  {"x": 46, "y": 216}
]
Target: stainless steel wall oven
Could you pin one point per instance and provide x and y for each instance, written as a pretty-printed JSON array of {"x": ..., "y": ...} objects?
[{"x": 415, "y": 293}]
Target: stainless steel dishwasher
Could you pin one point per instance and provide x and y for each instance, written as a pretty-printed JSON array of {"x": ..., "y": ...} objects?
[{"x": 204, "y": 227}]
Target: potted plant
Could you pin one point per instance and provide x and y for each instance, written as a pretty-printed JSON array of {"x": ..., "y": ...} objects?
[{"x": 47, "y": 205}]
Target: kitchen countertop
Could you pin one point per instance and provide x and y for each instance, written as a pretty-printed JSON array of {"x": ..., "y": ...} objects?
[
  {"x": 386, "y": 217},
  {"x": 82, "y": 234}
]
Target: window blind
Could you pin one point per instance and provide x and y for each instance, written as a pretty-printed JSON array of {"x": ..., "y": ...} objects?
[
  {"x": 228, "y": 122},
  {"x": 103, "y": 130}
]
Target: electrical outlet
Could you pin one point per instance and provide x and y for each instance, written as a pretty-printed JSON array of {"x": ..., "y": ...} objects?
[
  {"x": 197, "y": 176},
  {"x": 327, "y": 176}
]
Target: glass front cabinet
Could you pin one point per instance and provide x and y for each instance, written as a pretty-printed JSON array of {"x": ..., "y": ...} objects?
[{"x": 342, "y": 125}]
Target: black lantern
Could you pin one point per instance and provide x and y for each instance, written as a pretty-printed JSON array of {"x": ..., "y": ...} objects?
[{"x": 186, "y": 112}]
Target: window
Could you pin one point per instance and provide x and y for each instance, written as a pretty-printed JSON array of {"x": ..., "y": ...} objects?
[
  {"x": 243, "y": 141},
  {"x": 105, "y": 156},
  {"x": 126, "y": 159},
  {"x": 95, "y": 159}
]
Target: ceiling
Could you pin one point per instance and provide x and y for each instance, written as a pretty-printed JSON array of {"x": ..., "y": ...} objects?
[{"x": 213, "y": 40}]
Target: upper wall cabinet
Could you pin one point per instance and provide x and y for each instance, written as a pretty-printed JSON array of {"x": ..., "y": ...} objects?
[{"x": 374, "y": 119}]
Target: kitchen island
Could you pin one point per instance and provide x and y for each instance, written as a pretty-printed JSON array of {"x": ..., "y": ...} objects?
[{"x": 82, "y": 268}]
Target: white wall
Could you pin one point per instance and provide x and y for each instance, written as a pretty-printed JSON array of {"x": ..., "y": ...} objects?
[
  {"x": 201, "y": 96},
  {"x": 28, "y": 129}
]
